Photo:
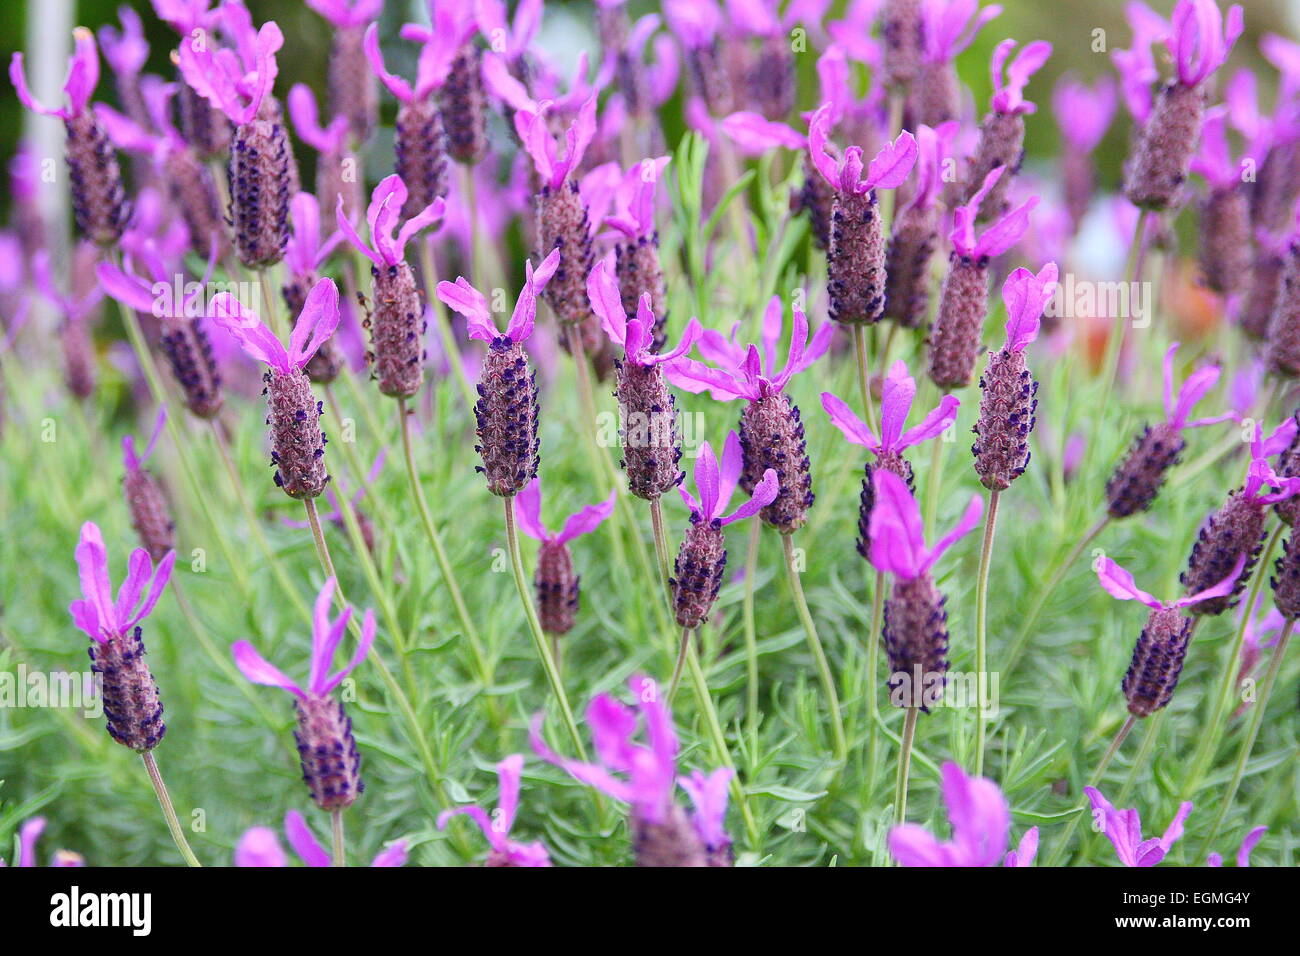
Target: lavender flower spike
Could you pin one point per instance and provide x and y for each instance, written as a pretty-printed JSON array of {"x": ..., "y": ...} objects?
[
  {"x": 963, "y": 301},
  {"x": 150, "y": 514},
  {"x": 98, "y": 196},
  {"x": 856, "y": 256},
  {"x": 636, "y": 255},
  {"x": 1161, "y": 649},
  {"x": 916, "y": 623},
  {"x": 338, "y": 170},
  {"x": 397, "y": 324},
  {"x": 297, "y": 442},
  {"x": 496, "y": 827},
  {"x": 702, "y": 557},
  {"x": 133, "y": 712},
  {"x": 981, "y": 825},
  {"x": 462, "y": 100},
  {"x": 948, "y": 27},
  {"x": 506, "y": 411},
  {"x": 641, "y": 775},
  {"x": 1138, "y": 477},
  {"x": 648, "y": 412},
  {"x": 1123, "y": 828},
  {"x": 1083, "y": 114},
  {"x": 353, "y": 93},
  {"x": 1008, "y": 402},
  {"x": 1225, "y": 231},
  {"x": 915, "y": 231},
  {"x": 555, "y": 580},
  {"x": 897, "y": 394},
  {"x": 326, "y": 747},
  {"x": 303, "y": 256}
]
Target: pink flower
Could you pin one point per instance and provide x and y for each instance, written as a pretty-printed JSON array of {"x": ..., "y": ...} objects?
[
  {"x": 635, "y": 335},
  {"x": 326, "y": 635},
  {"x": 535, "y": 134},
  {"x": 234, "y": 80},
  {"x": 1213, "y": 160},
  {"x": 897, "y": 537},
  {"x": 755, "y": 135},
  {"x": 1008, "y": 92},
  {"x": 383, "y": 214},
  {"x": 696, "y": 22},
  {"x": 1124, "y": 830},
  {"x": 1260, "y": 473},
  {"x": 330, "y": 139},
  {"x": 1178, "y": 407},
  {"x": 83, "y": 77},
  {"x": 124, "y": 285},
  {"x": 505, "y": 852},
  {"x": 1083, "y": 113},
  {"x": 130, "y": 459},
  {"x": 709, "y": 793},
  {"x": 529, "y": 510},
  {"x": 717, "y": 484},
  {"x": 460, "y": 296},
  {"x": 998, "y": 237},
  {"x": 305, "y": 251},
  {"x": 1137, "y": 66},
  {"x": 932, "y": 148},
  {"x": 981, "y": 824},
  {"x": 740, "y": 374},
  {"x": 347, "y": 13},
  {"x": 886, "y": 171},
  {"x": 897, "y": 394},
  {"x": 950, "y": 26},
  {"x": 316, "y": 323},
  {"x": 97, "y": 613},
  {"x": 437, "y": 51},
  {"x": 1200, "y": 40},
  {"x": 259, "y": 846},
  {"x": 634, "y": 198},
  {"x": 1243, "y": 853},
  {"x": 185, "y": 16},
  {"x": 511, "y": 39},
  {"x": 1026, "y": 295},
  {"x": 126, "y": 51},
  {"x": 1119, "y": 583}
]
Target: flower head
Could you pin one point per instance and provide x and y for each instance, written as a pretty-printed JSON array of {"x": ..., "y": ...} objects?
[
  {"x": 887, "y": 171},
  {"x": 126, "y": 50},
  {"x": 460, "y": 296},
  {"x": 326, "y": 636},
  {"x": 1260, "y": 474},
  {"x": 950, "y": 26},
  {"x": 534, "y": 132},
  {"x": 739, "y": 373},
  {"x": 316, "y": 323},
  {"x": 981, "y": 824},
  {"x": 716, "y": 484},
  {"x": 83, "y": 77},
  {"x": 234, "y": 80},
  {"x": 347, "y": 13},
  {"x": 383, "y": 215},
  {"x": 437, "y": 52},
  {"x": 1124, "y": 830},
  {"x": 97, "y": 613},
  {"x": 510, "y": 38},
  {"x": 1119, "y": 583},
  {"x": 259, "y": 846},
  {"x": 1008, "y": 90},
  {"x": 528, "y": 507},
  {"x": 1026, "y": 295},
  {"x": 998, "y": 237},
  {"x": 634, "y": 199},
  {"x": 327, "y": 140},
  {"x": 897, "y": 537},
  {"x": 636, "y": 335},
  {"x": 1243, "y": 852},
  {"x": 496, "y": 827},
  {"x": 897, "y": 394},
  {"x": 306, "y": 251},
  {"x": 1200, "y": 39},
  {"x": 1083, "y": 112}
]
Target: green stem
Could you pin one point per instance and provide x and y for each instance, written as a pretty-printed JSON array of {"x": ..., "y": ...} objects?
[
  {"x": 904, "y": 764},
  {"x": 751, "y": 633},
  {"x": 938, "y": 451},
  {"x": 722, "y": 754},
  {"x": 863, "y": 363},
  {"x": 535, "y": 627},
  {"x": 340, "y": 857},
  {"x": 981, "y": 631},
  {"x": 169, "y": 811},
  {"x": 1115, "y": 343},
  {"x": 429, "y": 272},
  {"x": 678, "y": 664},
  {"x": 661, "y": 548},
  {"x": 840, "y": 745},
  {"x": 874, "y": 638},
  {"x": 1095, "y": 779},
  {"x": 1248, "y": 742}
]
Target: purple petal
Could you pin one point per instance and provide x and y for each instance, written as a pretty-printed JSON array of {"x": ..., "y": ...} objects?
[
  {"x": 969, "y": 520},
  {"x": 587, "y": 519},
  {"x": 1118, "y": 583},
  {"x": 528, "y": 510},
  {"x": 303, "y": 841},
  {"x": 258, "y": 670},
  {"x": 259, "y": 846},
  {"x": 852, "y": 427}
]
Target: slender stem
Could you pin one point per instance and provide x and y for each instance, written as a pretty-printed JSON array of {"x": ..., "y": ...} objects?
[
  {"x": 1212, "y": 732},
  {"x": 435, "y": 539},
  {"x": 169, "y": 811},
  {"x": 661, "y": 547},
  {"x": 270, "y": 308},
  {"x": 1095, "y": 779},
  {"x": 938, "y": 451},
  {"x": 751, "y": 632},
  {"x": 864, "y": 373},
  {"x": 1248, "y": 742},
  {"x": 981, "y": 631},
  {"x": 1115, "y": 343},
  {"x": 1046, "y": 591},
  {"x": 874, "y": 638},
  {"x": 682, "y": 647},
  {"x": 722, "y": 754},
  {"x": 841, "y": 747},
  {"x": 340, "y": 854},
  {"x": 535, "y": 627},
  {"x": 475, "y": 227},
  {"x": 450, "y": 347},
  {"x": 904, "y": 764}
]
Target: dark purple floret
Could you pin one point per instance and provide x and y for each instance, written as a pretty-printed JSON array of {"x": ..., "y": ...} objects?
[
  {"x": 671, "y": 842},
  {"x": 1234, "y": 530},
  {"x": 1157, "y": 171},
  {"x": 772, "y": 436},
  {"x": 816, "y": 197},
  {"x": 916, "y": 641},
  {"x": 1007, "y": 409},
  {"x": 651, "y": 444},
  {"x": 893, "y": 462},
  {"x": 189, "y": 354},
  {"x": 297, "y": 442},
  {"x": 205, "y": 128},
  {"x": 260, "y": 188},
  {"x": 150, "y": 516},
  {"x": 1157, "y": 661},
  {"x": 506, "y": 412},
  {"x": 1286, "y": 579},
  {"x": 1137, "y": 480},
  {"x": 464, "y": 107},
  {"x": 132, "y": 709},
  {"x": 557, "y": 587},
  {"x": 397, "y": 327},
  {"x": 98, "y": 196},
  {"x": 331, "y": 766},
  {"x": 420, "y": 145},
  {"x": 855, "y": 262},
  {"x": 697, "y": 572},
  {"x": 955, "y": 338}
]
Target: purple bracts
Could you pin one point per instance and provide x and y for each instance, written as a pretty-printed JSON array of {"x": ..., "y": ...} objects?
[
  {"x": 132, "y": 710},
  {"x": 1157, "y": 661},
  {"x": 958, "y": 326},
  {"x": 260, "y": 187},
  {"x": 98, "y": 196},
  {"x": 855, "y": 261},
  {"x": 772, "y": 436},
  {"x": 297, "y": 442},
  {"x": 397, "y": 331},
  {"x": 506, "y": 412},
  {"x": 1137, "y": 480},
  {"x": 915, "y": 640},
  {"x": 331, "y": 766},
  {"x": 697, "y": 572},
  {"x": 1007, "y": 409},
  {"x": 1234, "y": 530},
  {"x": 189, "y": 354}
]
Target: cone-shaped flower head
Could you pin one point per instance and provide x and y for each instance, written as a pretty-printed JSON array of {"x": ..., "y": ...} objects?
[
  {"x": 497, "y": 825},
  {"x": 555, "y": 579},
  {"x": 326, "y": 747},
  {"x": 981, "y": 825},
  {"x": 150, "y": 514},
  {"x": 1123, "y": 828}
]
